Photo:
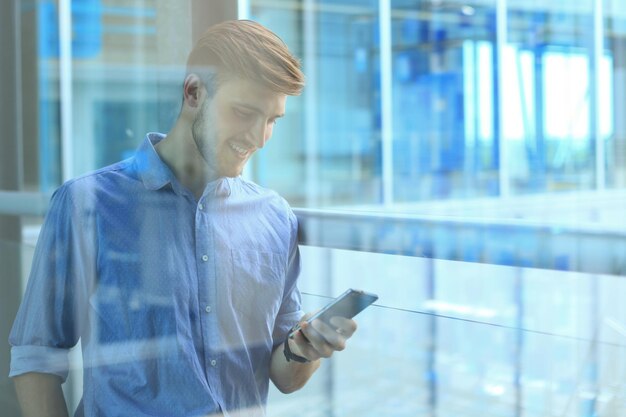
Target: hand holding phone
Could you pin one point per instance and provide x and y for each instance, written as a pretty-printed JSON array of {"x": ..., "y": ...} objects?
[{"x": 347, "y": 305}]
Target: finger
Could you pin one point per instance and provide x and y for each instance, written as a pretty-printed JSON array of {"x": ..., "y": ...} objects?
[
  {"x": 304, "y": 347},
  {"x": 330, "y": 334},
  {"x": 317, "y": 341},
  {"x": 345, "y": 326}
]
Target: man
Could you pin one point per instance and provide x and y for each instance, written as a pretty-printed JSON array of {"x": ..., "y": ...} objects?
[{"x": 178, "y": 276}]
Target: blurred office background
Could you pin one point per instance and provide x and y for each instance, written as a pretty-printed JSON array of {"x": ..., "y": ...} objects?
[{"x": 466, "y": 160}]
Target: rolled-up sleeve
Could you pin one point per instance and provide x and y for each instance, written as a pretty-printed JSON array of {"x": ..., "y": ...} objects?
[
  {"x": 290, "y": 310},
  {"x": 42, "y": 359},
  {"x": 49, "y": 321}
]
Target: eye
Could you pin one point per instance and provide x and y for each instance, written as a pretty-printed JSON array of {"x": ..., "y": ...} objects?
[{"x": 241, "y": 113}]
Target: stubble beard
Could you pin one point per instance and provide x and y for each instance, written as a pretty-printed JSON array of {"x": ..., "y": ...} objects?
[{"x": 204, "y": 138}]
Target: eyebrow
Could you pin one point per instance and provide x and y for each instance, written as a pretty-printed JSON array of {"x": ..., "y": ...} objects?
[{"x": 257, "y": 109}]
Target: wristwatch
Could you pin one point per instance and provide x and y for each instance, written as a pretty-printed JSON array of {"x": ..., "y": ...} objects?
[{"x": 290, "y": 356}]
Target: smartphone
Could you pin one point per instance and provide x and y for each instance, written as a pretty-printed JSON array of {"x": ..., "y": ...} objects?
[{"x": 347, "y": 305}]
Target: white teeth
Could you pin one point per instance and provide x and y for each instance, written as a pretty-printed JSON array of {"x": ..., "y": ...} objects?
[{"x": 241, "y": 151}]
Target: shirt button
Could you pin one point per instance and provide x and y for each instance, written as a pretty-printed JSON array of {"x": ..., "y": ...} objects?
[
  {"x": 205, "y": 258},
  {"x": 213, "y": 362},
  {"x": 208, "y": 309},
  {"x": 201, "y": 206}
]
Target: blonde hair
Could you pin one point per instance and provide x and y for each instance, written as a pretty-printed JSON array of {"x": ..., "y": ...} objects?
[{"x": 248, "y": 50}]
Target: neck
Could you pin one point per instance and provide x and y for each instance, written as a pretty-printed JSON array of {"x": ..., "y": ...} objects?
[{"x": 179, "y": 152}]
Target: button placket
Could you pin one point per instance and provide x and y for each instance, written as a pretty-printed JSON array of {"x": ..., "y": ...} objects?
[{"x": 207, "y": 286}]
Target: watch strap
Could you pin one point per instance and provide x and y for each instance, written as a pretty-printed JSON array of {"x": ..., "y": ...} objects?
[{"x": 290, "y": 356}]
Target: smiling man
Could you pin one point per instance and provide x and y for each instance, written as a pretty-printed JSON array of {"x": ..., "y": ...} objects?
[{"x": 177, "y": 275}]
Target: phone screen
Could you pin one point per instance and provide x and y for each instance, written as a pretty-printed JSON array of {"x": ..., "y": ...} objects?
[{"x": 347, "y": 305}]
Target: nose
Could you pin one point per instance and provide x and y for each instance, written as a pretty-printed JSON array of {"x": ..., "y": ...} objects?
[{"x": 262, "y": 133}]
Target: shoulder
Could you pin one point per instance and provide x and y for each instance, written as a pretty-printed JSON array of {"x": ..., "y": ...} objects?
[
  {"x": 266, "y": 196},
  {"x": 119, "y": 170},
  {"x": 270, "y": 205},
  {"x": 82, "y": 189}
]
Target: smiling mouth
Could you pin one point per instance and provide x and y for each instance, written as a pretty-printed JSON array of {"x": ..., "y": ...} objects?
[{"x": 239, "y": 150}]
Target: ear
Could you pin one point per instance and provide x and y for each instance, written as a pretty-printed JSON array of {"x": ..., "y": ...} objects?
[{"x": 193, "y": 91}]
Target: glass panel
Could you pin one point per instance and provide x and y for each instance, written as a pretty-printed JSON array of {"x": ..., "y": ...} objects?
[
  {"x": 445, "y": 143},
  {"x": 124, "y": 82},
  {"x": 328, "y": 149},
  {"x": 549, "y": 56},
  {"x": 471, "y": 337},
  {"x": 447, "y": 109},
  {"x": 444, "y": 96},
  {"x": 461, "y": 339}
]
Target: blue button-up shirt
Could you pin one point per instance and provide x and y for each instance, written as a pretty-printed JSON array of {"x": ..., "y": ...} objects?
[{"x": 178, "y": 302}]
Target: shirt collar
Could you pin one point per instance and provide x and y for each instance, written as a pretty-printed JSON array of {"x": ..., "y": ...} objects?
[
  {"x": 221, "y": 187},
  {"x": 153, "y": 172}
]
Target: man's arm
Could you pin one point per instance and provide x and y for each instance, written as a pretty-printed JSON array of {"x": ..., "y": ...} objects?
[
  {"x": 314, "y": 341},
  {"x": 290, "y": 376},
  {"x": 40, "y": 395}
]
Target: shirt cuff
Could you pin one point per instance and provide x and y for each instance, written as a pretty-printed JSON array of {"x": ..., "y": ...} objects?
[
  {"x": 43, "y": 359},
  {"x": 283, "y": 324}
]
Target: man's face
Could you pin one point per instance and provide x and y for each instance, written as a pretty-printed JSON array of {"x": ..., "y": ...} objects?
[{"x": 234, "y": 123}]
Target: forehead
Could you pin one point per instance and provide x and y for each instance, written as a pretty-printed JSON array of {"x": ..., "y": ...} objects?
[{"x": 251, "y": 93}]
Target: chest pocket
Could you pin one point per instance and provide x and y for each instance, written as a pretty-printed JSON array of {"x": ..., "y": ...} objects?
[{"x": 255, "y": 291}]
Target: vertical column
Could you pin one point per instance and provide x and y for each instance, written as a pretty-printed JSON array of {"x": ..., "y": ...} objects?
[
  {"x": 173, "y": 33},
  {"x": 518, "y": 350},
  {"x": 501, "y": 30},
  {"x": 10, "y": 179},
  {"x": 589, "y": 404},
  {"x": 29, "y": 97},
  {"x": 206, "y": 13},
  {"x": 386, "y": 85},
  {"x": 243, "y": 9},
  {"x": 311, "y": 121},
  {"x": 65, "y": 87},
  {"x": 539, "y": 161},
  {"x": 618, "y": 51},
  {"x": 174, "y": 43},
  {"x": 597, "y": 51},
  {"x": 72, "y": 389},
  {"x": 432, "y": 332}
]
